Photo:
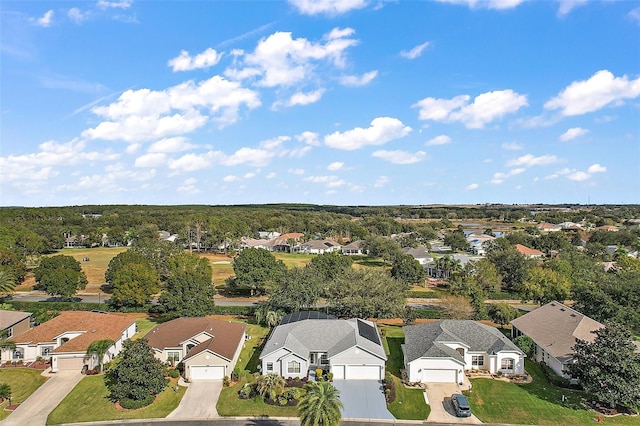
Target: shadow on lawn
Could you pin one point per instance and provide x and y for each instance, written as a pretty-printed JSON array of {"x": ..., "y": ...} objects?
[{"x": 396, "y": 360}]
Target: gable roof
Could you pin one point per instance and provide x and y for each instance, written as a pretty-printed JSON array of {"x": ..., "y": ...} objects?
[
  {"x": 528, "y": 251},
  {"x": 354, "y": 245},
  {"x": 226, "y": 335},
  {"x": 418, "y": 252},
  {"x": 427, "y": 340},
  {"x": 9, "y": 318},
  {"x": 94, "y": 326},
  {"x": 555, "y": 327},
  {"x": 332, "y": 336}
]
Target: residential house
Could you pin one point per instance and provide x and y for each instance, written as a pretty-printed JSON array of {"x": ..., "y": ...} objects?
[
  {"x": 529, "y": 252},
  {"x": 555, "y": 328},
  {"x": 268, "y": 235},
  {"x": 442, "y": 351},
  {"x": 421, "y": 254},
  {"x": 349, "y": 349},
  {"x": 477, "y": 243},
  {"x": 319, "y": 247},
  {"x": 547, "y": 227},
  {"x": 14, "y": 322},
  {"x": 66, "y": 338},
  {"x": 609, "y": 228},
  {"x": 255, "y": 243},
  {"x": 208, "y": 348},
  {"x": 354, "y": 248},
  {"x": 286, "y": 242}
]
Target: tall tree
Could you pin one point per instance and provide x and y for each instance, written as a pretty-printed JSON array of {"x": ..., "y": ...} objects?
[
  {"x": 407, "y": 269},
  {"x": 99, "y": 349},
  {"x": 188, "y": 290},
  {"x": 134, "y": 285},
  {"x": 7, "y": 283},
  {"x": 299, "y": 290},
  {"x": 157, "y": 252},
  {"x": 378, "y": 246},
  {"x": 257, "y": 271},
  {"x": 502, "y": 313},
  {"x": 543, "y": 285},
  {"x": 511, "y": 265},
  {"x": 456, "y": 307},
  {"x": 320, "y": 406},
  {"x": 60, "y": 275},
  {"x": 330, "y": 265},
  {"x": 609, "y": 368}
]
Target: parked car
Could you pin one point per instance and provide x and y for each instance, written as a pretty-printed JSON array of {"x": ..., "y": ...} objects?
[{"x": 461, "y": 405}]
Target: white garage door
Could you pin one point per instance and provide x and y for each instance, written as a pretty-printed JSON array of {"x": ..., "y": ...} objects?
[
  {"x": 439, "y": 376},
  {"x": 362, "y": 372},
  {"x": 338, "y": 372},
  {"x": 67, "y": 364},
  {"x": 206, "y": 372}
]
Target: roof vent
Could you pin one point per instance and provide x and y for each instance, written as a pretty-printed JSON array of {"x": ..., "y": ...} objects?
[
  {"x": 573, "y": 315},
  {"x": 553, "y": 304},
  {"x": 562, "y": 309}
]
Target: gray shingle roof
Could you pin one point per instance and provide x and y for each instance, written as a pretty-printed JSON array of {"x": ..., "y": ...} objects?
[
  {"x": 426, "y": 340},
  {"x": 332, "y": 336}
]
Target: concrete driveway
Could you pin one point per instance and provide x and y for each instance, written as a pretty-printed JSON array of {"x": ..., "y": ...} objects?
[
  {"x": 36, "y": 409},
  {"x": 199, "y": 401},
  {"x": 438, "y": 396},
  {"x": 362, "y": 399}
]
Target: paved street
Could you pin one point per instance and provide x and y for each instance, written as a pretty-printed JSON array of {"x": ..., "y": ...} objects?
[{"x": 199, "y": 401}]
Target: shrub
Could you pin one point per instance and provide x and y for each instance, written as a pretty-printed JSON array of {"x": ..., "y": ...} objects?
[
  {"x": 319, "y": 373},
  {"x": 226, "y": 382},
  {"x": 132, "y": 404},
  {"x": 330, "y": 377},
  {"x": 247, "y": 391},
  {"x": 174, "y": 374},
  {"x": 389, "y": 389}
]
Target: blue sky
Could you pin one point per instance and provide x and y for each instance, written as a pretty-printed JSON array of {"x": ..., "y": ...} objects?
[{"x": 328, "y": 102}]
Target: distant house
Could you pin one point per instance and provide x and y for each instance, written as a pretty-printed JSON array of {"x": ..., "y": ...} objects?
[
  {"x": 529, "y": 252},
  {"x": 286, "y": 242},
  {"x": 608, "y": 228},
  {"x": 442, "y": 351},
  {"x": 554, "y": 328},
  {"x": 268, "y": 235},
  {"x": 255, "y": 243},
  {"x": 548, "y": 227},
  {"x": 65, "y": 339},
  {"x": 421, "y": 254},
  {"x": 477, "y": 243},
  {"x": 14, "y": 322},
  {"x": 208, "y": 348},
  {"x": 354, "y": 248},
  {"x": 319, "y": 247}
]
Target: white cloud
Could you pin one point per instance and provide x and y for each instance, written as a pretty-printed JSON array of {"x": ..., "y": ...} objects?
[
  {"x": 358, "y": 81},
  {"x": 381, "y": 181},
  {"x": 439, "y": 140},
  {"x": 381, "y": 131},
  {"x": 297, "y": 172},
  {"x": 76, "y": 15},
  {"x": 634, "y": 14},
  {"x": 472, "y": 186},
  {"x": 336, "y": 165},
  {"x": 251, "y": 156},
  {"x": 529, "y": 160},
  {"x": 596, "y": 168},
  {"x": 300, "y": 98},
  {"x": 572, "y": 133},
  {"x": 327, "y": 7},
  {"x": 329, "y": 181},
  {"x": 151, "y": 160},
  {"x": 45, "y": 21},
  {"x": 144, "y": 114},
  {"x": 566, "y": 6},
  {"x": 484, "y": 109},
  {"x": 249, "y": 175},
  {"x": 499, "y": 177},
  {"x": 579, "y": 176},
  {"x": 185, "y": 62},
  {"x": 415, "y": 52},
  {"x": 280, "y": 60},
  {"x": 486, "y": 4},
  {"x": 309, "y": 138},
  {"x": 271, "y": 175},
  {"x": 122, "y": 4},
  {"x": 133, "y": 148},
  {"x": 600, "y": 90},
  {"x": 231, "y": 178},
  {"x": 175, "y": 144},
  {"x": 400, "y": 157},
  {"x": 189, "y": 186},
  {"x": 512, "y": 146}
]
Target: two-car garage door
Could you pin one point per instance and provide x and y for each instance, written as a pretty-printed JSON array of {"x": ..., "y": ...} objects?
[
  {"x": 357, "y": 372},
  {"x": 206, "y": 372},
  {"x": 439, "y": 376}
]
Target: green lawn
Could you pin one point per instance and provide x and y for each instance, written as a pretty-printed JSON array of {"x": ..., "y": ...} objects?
[
  {"x": 144, "y": 326},
  {"x": 538, "y": 403},
  {"x": 88, "y": 402},
  {"x": 294, "y": 259},
  {"x": 23, "y": 382},
  {"x": 409, "y": 403}
]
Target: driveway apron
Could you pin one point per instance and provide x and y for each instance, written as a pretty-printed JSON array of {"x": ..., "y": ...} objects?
[
  {"x": 199, "y": 401},
  {"x": 362, "y": 399},
  {"x": 36, "y": 408},
  {"x": 438, "y": 396}
]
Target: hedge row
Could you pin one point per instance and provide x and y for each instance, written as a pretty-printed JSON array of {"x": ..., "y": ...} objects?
[
  {"x": 83, "y": 306},
  {"x": 427, "y": 313}
]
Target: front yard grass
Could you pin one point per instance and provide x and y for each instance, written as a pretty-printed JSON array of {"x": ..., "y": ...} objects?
[
  {"x": 23, "y": 382},
  {"x": 538, "y": 402},
  {"x": 143, "y": 325},
  {"x": 88, "y": 402}
]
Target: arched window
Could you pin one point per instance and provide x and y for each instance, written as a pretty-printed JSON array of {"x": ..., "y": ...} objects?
[
  {"x": 293, "y": 367},
  {"x": 507, "y": 364}
]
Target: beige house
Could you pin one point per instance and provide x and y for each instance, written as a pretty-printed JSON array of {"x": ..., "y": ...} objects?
[
  {"x": 554, "y": 328},
  {"x": 15, "y": 322},
  {"x": 208, "y": 348}
]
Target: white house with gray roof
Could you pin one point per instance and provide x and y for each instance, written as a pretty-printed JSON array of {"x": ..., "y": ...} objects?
[
  {"x": 350, "y": 349},
  {"x": 442, "y": 351}
]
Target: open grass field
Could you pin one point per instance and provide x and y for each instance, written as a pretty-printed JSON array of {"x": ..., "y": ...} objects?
[
  {"x": 23, "y": 382},
  {"x": 538, "y": 402},
  {"x": 88, "y": 402}
]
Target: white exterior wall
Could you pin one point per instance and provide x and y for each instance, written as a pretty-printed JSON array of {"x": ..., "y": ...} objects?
[
  {"x": 356, "y": 356},
  {"x": 209, "y": 359},
  {"x": 280, "y": 358},
  {"x": 518, "y": 362},
  {"x": 429, "y": 364}
]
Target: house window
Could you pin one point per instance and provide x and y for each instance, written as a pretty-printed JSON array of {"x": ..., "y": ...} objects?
[
  {"x": 323, "y": 359},
  {"x": 477, "y": 360},
  {"x": 460, "y": 351},
  {"x": 18, "y": 353},
  {"x": 173, "y": 356},
  {"x": 293, "y": 367},
  {"x": 269, "y": 366},
  {"x": 9, "y": 332},
  {"x": 507, "y": 364},
  {"x": 46, "y": 350}
]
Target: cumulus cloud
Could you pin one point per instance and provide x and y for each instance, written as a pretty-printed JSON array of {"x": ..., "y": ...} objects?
[
  {"x": 189, "y": 186},
  {"x": 596, "y": 168},
  {"x": 336, "y": 165},
  {"x": 579, "y": 176},
  {"x": 600, "y": 90},
  {"x": 145, "y": 114},
  {"x": 572, "y": 133},
  {"x": 472, "y": 186},
  {"x": 122, "y": 4},
  {"x": 271, "y": 175},
  {"x": 439, "y": 140},
  {"x": 634, "y": 14},
  {"x": 415, "y": 52},
  {"x": 566, "y": 6},
  {"x": 44, "y": 21},
  {"x": 300, "y": 98},
  {"x": 484, "y": 109},
  {"x": 309, "y": 138},
  {"x": 500, "y": 177},
  {"x": 297, "y": 172},
  {"x": 327, "y": 7},
  {"x": 381, "y": 181},
  {"x": 186, "y": 62},
  {"x": 400, "y": 157},
  {"x": 151, "y": 160},
  {"x": 486, "y": 4},
  {"x": 76, "y": 15},
  {"x": 381, "y": 131},
  {"x": 230, "y": 178},
  {"x": 358, "y": 81},
  {"x": 329, "y": 181},
  {"x": 175, "y": 144},
  {"x": 530, "y": 160},
  {"x": 512, "y": 146}
]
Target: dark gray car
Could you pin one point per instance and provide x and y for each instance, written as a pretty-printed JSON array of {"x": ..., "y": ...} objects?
[{"x": 461, "y": 405}]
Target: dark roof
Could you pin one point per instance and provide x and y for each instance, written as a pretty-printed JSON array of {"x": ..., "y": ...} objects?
[
  {"x": 368, "y": 332},
  {"x": 305, "y": 315}
]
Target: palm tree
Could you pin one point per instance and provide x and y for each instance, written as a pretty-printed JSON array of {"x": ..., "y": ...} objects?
[
  {"x": 7, "y": 283},
  {"x": 273, "y": 318},
  {"x": 320, "y": 406},
  {"x": 270, "y": 385},
  {"x": 99, "y": 348}
]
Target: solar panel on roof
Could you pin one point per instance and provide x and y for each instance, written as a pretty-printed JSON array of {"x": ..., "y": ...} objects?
[
  {"x": 368, "y": 332},
  {"x": 304, "y": 315}
]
